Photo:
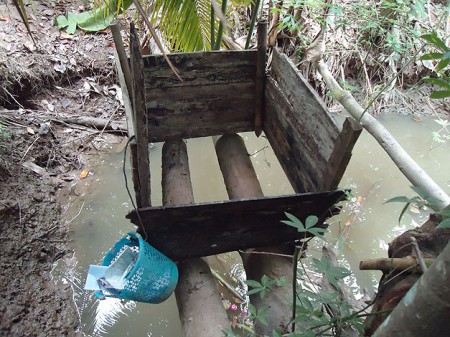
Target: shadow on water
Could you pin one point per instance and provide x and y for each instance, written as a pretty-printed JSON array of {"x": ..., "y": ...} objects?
[{"x": 98, "y": 205}]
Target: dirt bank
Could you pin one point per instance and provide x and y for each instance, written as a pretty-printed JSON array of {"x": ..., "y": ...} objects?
[{"x": 45, "y": 88}]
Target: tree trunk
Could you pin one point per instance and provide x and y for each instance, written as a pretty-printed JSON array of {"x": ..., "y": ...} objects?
[
  {"x": 241, "y": 182},
  {"x": 199, "y": 303},
  {"x": 412, "y": 171},
  {"x": 425, "y": 309}
]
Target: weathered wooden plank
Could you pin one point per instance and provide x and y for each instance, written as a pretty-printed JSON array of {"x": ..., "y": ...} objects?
[
  {"x": 125, "y": 96},
  {"x": 183, "y": 232},
  {"x": 342, "y": 152},
  {"x": 294, "y": 145},
  {"x": 182, "y": 112},
  {"x": 260, "y": 76},
  {"x": 140, "y": 119},
  {"x": 200, "y": 68},
  {"x": 311, "y": 111}
]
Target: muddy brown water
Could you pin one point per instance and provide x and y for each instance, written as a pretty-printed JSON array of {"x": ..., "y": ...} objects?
[{"x": 99, "y": 202}]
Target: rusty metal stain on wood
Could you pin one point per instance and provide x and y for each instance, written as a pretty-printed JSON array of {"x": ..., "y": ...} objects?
[{"x": 183, "y": 232}]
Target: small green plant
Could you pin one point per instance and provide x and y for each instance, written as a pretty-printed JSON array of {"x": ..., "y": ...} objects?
[
  {"x": 308, "y": 227},
  {"x": 441, "y": 55},
  {"x": 423, "y": 199},
  {"x": 316, "y": 313},
  {"x": 264, "y": 286}
]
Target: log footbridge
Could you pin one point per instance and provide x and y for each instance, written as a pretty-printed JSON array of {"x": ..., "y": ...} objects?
[{"x": 224, "y": 93}]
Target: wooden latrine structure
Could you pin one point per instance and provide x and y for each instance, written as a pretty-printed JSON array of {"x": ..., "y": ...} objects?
[{"x": 226, "y": 92}]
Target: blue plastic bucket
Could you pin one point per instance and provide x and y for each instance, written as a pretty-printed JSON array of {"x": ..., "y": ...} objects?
[{"x": 153, "y": 277}]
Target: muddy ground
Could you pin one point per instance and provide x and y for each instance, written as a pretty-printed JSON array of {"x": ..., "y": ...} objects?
[
  {"x": 44, "y": 148},
  {"x": 42, "y": 151}
]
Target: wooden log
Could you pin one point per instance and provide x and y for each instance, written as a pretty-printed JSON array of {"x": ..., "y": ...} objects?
[
  {"x": 260, "y": 76},
  {"x": 387, "y": 265},
  {"x": 199, "y": 303},
  {"x": 183, "y": 232},
  {"x": 241, "y": 181},
  {"x": 140, "y": 119}
]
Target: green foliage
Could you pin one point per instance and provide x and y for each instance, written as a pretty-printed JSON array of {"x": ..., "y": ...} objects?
[
  {"x": 94, "y": 20},
  {"x": 333, "y": 273},
  {"x": 441, "y": 55},
  {"x": 423, "y": 199},
  {"x": 310, "y": 222},
  {"x": 185, "y": 24},
  {"x": 264, "y": 286},
  {"x": 375, "y": 22},
  {"x": 260, "y": 315}
]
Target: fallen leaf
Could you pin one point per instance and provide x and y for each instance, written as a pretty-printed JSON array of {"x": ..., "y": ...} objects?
[
  {"x": 234, "y": 322},
  {"x": 5, "y": 18},
  {"x": 66, "y": 36},
  {"x": 30, "y": 130},
  {"x": 84, "y": 174}
]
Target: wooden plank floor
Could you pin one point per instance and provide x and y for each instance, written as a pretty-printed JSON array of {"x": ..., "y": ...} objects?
[{"x": 183, "y": 232}]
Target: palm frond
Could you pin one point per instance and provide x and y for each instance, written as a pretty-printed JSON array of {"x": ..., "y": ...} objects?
[{"x": 185, "y": 24}]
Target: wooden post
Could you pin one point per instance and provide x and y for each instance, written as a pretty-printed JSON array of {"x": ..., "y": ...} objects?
[
  {"x": 260, "y": 76},
  {"x": 122, "y": 55},
  {"x": 140, "y": 121},
  {"x": 241, "y": 182},
  {"x": 199, "y": 304}
]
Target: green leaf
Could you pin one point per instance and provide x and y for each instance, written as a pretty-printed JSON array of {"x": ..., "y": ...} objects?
[
  {"x": 446, "y": 212},
  {"x": 398, "y": 199},
  {"x": 253, "y": 284},
  {"x": 276, "y": 333},
  {"x": 61, "y": 22},
  {"x": 404, "y": 209},
  {"x": 252, "y": 309},
  {"x": 72, "y": 23},
  {"x": 262, "y": 315},
  {"x": 311, "y": 221},
  {"x": 280, "y": 281},
  {"x": 435, "y": 40},
  {"x": 431, "y": 56},
  {"x": 444, "y": 224},
  {"x": 440, "y": 94},
  {"x": 442, "y": 64},
  {"x": 254, "y": 291},
  {"x": 437, "y": 81},
  {"x": 317, "y": 232}
]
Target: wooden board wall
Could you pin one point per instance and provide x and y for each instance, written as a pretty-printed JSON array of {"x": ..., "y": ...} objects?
[
  {"x": 310, "y": 145},
  {"x": 217, "y": 95},
  {"x": 184, "y": 232}
]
